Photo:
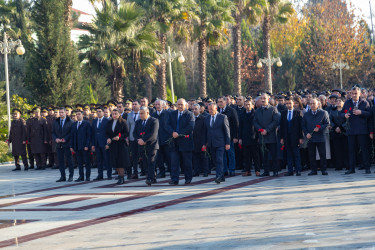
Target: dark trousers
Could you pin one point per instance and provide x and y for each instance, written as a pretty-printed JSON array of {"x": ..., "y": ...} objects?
[
  {"x": 200, "y": 163},
  {"x": 135, "y": 158},
  {"x": 250, "y": 154},
  {"x": 40, "y": 160},
  {"x": 294, "y": 158},
  {"x": 102, "y": 158},
  {"x": 239, "y": 157},
  {"x": 64, "y": 154},
  {"x": 148, "y": 162},
  {"x": 356, "y": 142},
  {"x": 321, "y": 146},
  {"x": 186, "y": 160},
  {"x": 31, "y": 155},
  {"x": 270, "y": 157},
  {"x": 83, "y": 159},
  {"x": 163, "y": 157},
  {"x": 217, "y": 155},
  {"x": 340, "y": 151},
  {"x": 24, "y": 161}
]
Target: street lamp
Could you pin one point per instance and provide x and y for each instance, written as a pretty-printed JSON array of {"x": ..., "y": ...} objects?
[
  {"x": 269, "y": 62},
  {"x": 5, "y": 49},
  {"x": 170, "y": 57},
  {"x": 340, "y": 66}
]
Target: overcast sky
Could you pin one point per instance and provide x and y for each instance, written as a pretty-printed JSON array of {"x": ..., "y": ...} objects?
[{"x": 363, "y": 5}]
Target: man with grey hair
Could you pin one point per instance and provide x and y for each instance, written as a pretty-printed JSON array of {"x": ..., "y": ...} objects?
[
  {"x": 163, "y": 156},
  {"x": 180, "y": 127}
]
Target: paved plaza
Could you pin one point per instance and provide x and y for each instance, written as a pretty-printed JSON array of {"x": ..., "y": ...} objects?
[{"x": 327, "y": 212}]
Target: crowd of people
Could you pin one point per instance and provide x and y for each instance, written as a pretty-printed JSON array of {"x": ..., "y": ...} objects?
[{"x": 297, "y": 130}]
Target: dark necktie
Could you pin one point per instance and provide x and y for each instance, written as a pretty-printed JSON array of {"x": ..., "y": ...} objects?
[
  {"x": 100, "y": 121},
  {"x": 289, "y": 116},
  {"x": 212, "y": 121},
  {"x": 178, "y": 122},
  {"x": 135, "y": 116}
]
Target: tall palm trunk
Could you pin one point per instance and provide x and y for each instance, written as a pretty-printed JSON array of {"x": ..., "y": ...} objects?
[
  {"x": 267, "y": 53},
  {"x": 68, "y": 14},
  {"x": 162, "y": 70},
  {"x": 202, "y": 61},
  {"x": 148, "y": 82},
  {"x": 237, "y": 54},
  {"x": 117, "y": 85}
]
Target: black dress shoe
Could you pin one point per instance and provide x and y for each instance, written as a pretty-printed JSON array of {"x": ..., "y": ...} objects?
[
  {"x": 109, "y": 178},
  {"x": 160, "y": 175},
  {"x": 350, "y": 172},
  {"x": 79, "y": 179},
  {"x": 99, "y": 178},
  {"x": 134, "y": 177},
  {"x": 324, "y": 173},
  {"x": 288, "y": 174},
  {"x": 87, "y": 178},
  {"x": 195, "y": 175},
  {"x": 222, "y": 179},
  {"x": 70, "y": 179},
  {"x": 120, "y": 180},
  {"x": 187, "y": 182},
  {"x": 368, "y": 171},
  {"x": 175, "y": 183},
  {"x": 61, "y": 180},
  {"x": 148, "y": 182},
  {"x": 232, "y": 174},
  {"x": 205, "y": 175},
  {"x": 275, "y": 174},
  {"x": 265, "y": 174},
  {"x": 298, "y": 173},
  {"x": 312, "y": 173},
  {"x": 31, "y": 167},
  {"x": 17, "y": 169},
  {"x": 218, "y": 180},
  {"x": 26, "y": 168},
  {"x": 338, "y": 169}
]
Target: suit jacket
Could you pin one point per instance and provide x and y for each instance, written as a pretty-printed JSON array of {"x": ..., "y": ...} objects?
[
  {"x": 267, "y": 118},
  {"x": 247, "y": 132},
  {"x": 18, "y": 135},
  {"x": 291, "y": 132},
  {"x": 81, "y": 136},
  {"x": 199, "y": 133},
  {"x": 62, "y": 133},
  {"x": 163, "y": 133},
  {"x": 38, "y": 134},
  {"x": 233, "y": 121},
  {"x": 131, "y": 124},
  {"x": 309, "y": 122},
  {"x": 151, "y": 133},
  {"x": 98, "y": 135},
  {"x": 219, "y": 134},
  {"x": 358, "y": 124},
  {"x": 186, "y": 126}
]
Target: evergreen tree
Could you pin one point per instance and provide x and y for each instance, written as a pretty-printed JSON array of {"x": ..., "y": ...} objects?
[{"x": 53, "y": 69}]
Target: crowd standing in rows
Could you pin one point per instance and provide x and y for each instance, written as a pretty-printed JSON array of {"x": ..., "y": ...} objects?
[{"x": 296, "y": 130}]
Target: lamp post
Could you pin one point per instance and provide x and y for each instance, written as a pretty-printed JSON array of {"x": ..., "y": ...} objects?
[
  {"x": 269, "y": 62},
  {"x": 5, "y": 48},
  {"x": 170, "y": 57},
  {"x": 340, "y": 66}
]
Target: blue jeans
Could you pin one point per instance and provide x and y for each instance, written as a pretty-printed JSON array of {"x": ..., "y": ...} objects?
[
  {"x": 231, "y": 157},
  {"x": 294, "y": 159}
]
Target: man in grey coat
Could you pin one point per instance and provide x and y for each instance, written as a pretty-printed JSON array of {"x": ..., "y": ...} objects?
[
  {"x": 133, "y": 116},
  {"x": 266, "y": 121},
  {"x": 314, "y": 125}
]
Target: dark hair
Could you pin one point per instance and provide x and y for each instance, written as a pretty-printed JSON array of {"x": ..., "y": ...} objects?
[
  {"x": 298, "y": 100},
  {"x": 62, "y": 108},
  {"x": 100, "y": 107}
]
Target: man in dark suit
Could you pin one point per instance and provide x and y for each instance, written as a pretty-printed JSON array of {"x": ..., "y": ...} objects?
[
  {"x": 98, "y": 142},
  {"x": 61, "y": 134},
  {"x": 181, "y": 122},
  {"x": 266, "y": 120},
  {"x": 133, "y": 116},
  {"x": 80, "y": 145},
  {"x": 314, "y": 125},
  {"x": 163, "y": 154},
  {"x": 240, "y": 109},
  {"x": 357, "y": 111},
  {"x": 229, "y": 155},
  {"x": 248, "y": 140},
  {"x": 146, "y": 135},
  {"x": 200, "y": 161},
  {"x": 217, "y": 139},
  {"x": 291, "y": 136}
]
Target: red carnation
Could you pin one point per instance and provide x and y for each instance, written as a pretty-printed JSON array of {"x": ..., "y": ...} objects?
[
  {"x": 239, "y": 146},
  {"x": 261, "y": 130},
  {"x": 119, "y": 134},
  {"x": 186, "y": 136},
  {"x": 350, "y": 108},
  {"x": 318, "y": 126},
  {"x": 203, "y": 149},
  {"x": 345, "y": 111},
  {"x": 282, "y": 147}
]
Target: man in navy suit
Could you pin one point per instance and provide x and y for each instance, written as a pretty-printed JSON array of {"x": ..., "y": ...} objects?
[
  {"x": 98, "y": 142},
  {"x": 181, "y": 122},
  {"x": 200, "y": 160},
  {"x": 163, "y": 155},
  {"x": 357, "y": 111},
  {"x": 80, "y": 145},
  {"x": 217, "y": 139},
  {"x": 61, "y": 134},
  {"x": 146, "y": 135},
  {"x": 291, "y": 136}
]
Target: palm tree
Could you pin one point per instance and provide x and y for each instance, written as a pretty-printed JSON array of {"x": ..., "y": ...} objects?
[
  {"x": 274, "y": 11},
  {"x": 250, "y": 9},
  {"x": 210, "y": 29},
  {"x": 121, "y": 43}
]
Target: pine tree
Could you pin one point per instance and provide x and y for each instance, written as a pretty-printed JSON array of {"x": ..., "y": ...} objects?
[{"x": 53, "y": 69}]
